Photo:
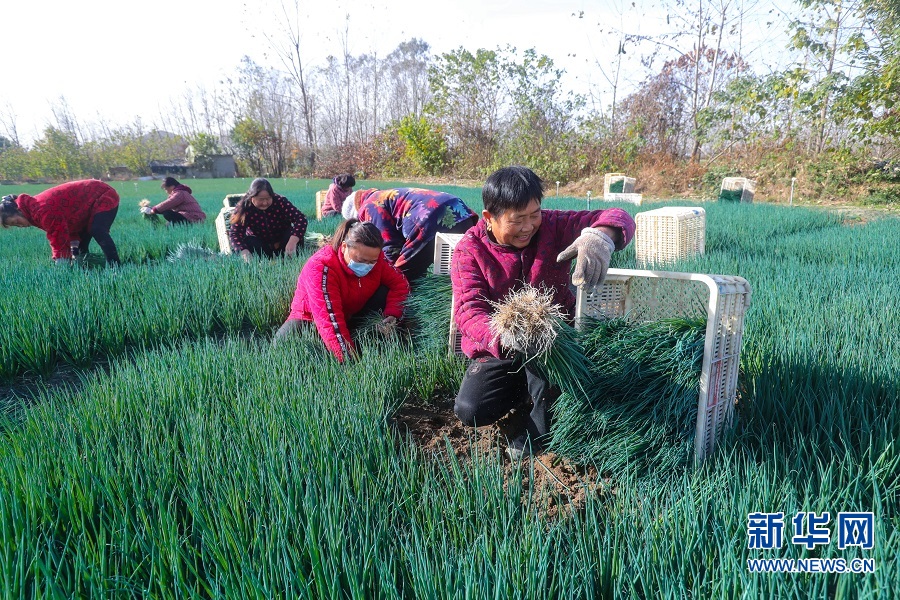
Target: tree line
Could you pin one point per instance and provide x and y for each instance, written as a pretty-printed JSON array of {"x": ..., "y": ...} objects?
[{"x": 703, "y": 111}]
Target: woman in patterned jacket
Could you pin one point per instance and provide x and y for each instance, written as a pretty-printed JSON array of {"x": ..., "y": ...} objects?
[
  {"x": 408, "y": 219},
  {"x": 72, "y": 214},
  {"x": 265, "y": 223},
  {"x": 519, "y": 242}
]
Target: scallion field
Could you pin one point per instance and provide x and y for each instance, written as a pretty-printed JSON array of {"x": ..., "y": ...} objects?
[{"x": 154, "y": 442}]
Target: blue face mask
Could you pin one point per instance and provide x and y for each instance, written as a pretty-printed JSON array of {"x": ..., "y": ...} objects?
[{"x": 361, "y": 269}]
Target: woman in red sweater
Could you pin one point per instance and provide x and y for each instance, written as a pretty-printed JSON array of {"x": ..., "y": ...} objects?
[
  {"x": 349, "y": 277},
  {"x": 72, "y": 214}
]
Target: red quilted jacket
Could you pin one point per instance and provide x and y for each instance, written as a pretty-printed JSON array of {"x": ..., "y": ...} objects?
[
  {"x": 483, "y": 270},
  {"x": 66, "y": 211},
  {"x": 329, "y": 293}
]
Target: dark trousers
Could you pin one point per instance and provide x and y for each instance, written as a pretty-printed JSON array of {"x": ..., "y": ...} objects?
[
  {"x": 492, "y": 387},
  {"x": 419, "y": 262},
  {"x": 99, "y": 230},
  {"x": 269, "y": 249},
  {"x": 173, "y": 217}
]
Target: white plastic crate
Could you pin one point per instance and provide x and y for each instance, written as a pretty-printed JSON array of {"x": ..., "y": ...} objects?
[
  {"x": 223, "y": 224},
  {"x": 628, "y": 198},
  {"x": 610, "y": 178},
  {"x": 733, "y": 184},
  {"x": 669, "y": 234},
  {"x": 652, "y": 295},
  {"x": 444, "y": 244}
]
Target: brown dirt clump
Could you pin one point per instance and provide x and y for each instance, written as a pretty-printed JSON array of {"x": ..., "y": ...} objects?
[{"x": 560, "y": 486}]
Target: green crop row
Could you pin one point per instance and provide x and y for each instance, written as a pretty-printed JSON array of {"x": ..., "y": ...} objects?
[{"x": 228, "y": 469}]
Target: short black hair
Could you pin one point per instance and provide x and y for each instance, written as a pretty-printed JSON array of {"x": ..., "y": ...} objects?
[
  {"x": 9, "y": 208},
  {"x": 511, "y": 188},
  {"x": 345, "y": 181},
  {"x": 169, "y": 182}
]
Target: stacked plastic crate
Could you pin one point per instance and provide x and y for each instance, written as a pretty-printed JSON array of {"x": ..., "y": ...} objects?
[{"x": 668, "y": 234}]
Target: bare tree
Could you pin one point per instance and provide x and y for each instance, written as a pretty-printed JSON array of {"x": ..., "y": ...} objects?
[
  {"x": 8, "y": 120},
  {"x": 286, "y": 45}
]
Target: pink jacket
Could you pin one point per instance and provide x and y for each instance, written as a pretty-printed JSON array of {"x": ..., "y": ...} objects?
[
  {"x": 182, "y": 202},
  {"x": 483, "y": 270},
  {"x": 329, "y": 293},
  {"x": 334, "y": 198}
]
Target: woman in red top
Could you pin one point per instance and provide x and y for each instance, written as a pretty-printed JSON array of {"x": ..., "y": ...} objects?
[
  {"x": 179, "y": 207},
  {"x": 350, "y": 277},
  {"x": 72, "y": 214},
  {"x": 265, "y": 223}
]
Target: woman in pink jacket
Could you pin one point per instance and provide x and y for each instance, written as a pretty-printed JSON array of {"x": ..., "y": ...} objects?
[
  {"x": 179, "y": 207},
  {"x": 518, "y": 242},
  {"x": 341, "y": 187},
  {"x": 349, "y": 277}
]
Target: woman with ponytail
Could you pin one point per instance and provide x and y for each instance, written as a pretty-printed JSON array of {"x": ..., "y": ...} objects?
[{"x": 351, "y": 277}]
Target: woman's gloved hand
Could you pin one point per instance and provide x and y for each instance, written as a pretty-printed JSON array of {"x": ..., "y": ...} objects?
[
  {"x": 594, "y": 250},
  {"x": 146, "y": 210}
]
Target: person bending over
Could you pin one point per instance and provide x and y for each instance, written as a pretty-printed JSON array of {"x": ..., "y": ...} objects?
[
  {"x": 409, "y": 219},
  {"x": 347, "y": 279},
  {"x": 72, "y": 214},
  {"x": 179, "y": 207},
  {"x": 341, "y": 187}
]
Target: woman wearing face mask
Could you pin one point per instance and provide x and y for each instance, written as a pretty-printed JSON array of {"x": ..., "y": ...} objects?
[
  {"x": 344, "y": 280},
  {"x": 265, "y": 223}
]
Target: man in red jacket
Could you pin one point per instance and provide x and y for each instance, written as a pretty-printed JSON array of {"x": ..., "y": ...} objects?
[{"x": 71, "y": 214}]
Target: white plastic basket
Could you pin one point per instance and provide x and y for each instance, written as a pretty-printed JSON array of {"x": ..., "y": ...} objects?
[
  {"x": 669, "y": 234},
  {"x": 223, "y": 224},
  {"x": 628, "y": 198},
  {"x": 444, "y": 244},
  {"x": 610, "y": 178},
  {"x": 747, "y": 187},
  {"x": 651, "y": 295}
]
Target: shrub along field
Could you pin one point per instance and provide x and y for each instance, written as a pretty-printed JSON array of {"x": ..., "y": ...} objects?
[{"x": 187, "y": 456}]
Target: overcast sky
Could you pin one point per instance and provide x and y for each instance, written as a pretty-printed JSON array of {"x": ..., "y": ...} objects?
[{"x": 115, "y": 60}]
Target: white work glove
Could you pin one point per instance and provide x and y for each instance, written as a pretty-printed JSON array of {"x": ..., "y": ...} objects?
[
  {"x": 594, "y": 250},
  {"x": 387, "y": 326},
  {"x": 146, "y": 210}
]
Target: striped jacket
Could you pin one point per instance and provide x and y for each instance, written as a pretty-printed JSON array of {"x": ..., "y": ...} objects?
[{"x": 329, "y": 294}]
